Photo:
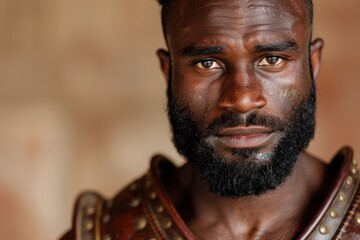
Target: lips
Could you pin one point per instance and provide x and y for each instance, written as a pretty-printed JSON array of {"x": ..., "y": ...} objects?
[{"x": 244, "y": 136}]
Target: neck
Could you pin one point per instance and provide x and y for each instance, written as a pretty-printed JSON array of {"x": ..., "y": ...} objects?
[{"x": 250, "y": 217}]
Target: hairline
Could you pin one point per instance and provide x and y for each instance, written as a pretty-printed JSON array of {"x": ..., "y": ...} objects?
[{"x": 166, "y": 4}]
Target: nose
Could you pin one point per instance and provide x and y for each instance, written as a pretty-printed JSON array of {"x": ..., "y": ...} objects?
[{"x": 241, "y": 93}]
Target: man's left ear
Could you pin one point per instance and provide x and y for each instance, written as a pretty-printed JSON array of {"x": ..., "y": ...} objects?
[{"x": 315, "y": 51}]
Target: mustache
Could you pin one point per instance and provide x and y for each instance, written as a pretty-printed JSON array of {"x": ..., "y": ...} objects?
[{"x": 235, "y": 119}]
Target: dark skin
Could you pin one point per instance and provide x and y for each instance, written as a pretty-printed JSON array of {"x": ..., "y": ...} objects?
[{"x": 242, "y": 56}]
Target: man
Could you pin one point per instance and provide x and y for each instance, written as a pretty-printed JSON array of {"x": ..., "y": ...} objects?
[{"x": 241, "y": 102}]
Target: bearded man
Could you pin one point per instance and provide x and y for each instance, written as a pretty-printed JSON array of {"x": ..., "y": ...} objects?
[{"x": 241, "y": 103}]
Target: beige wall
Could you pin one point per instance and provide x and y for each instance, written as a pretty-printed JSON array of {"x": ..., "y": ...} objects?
[{"x": 82, "y": 101}]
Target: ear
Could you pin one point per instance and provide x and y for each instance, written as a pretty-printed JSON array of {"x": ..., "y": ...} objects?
[
  {"x": 316, "y": 51},
  {"x": 165, "y": 64}
]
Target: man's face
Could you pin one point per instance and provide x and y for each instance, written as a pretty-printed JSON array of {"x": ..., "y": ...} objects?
[{"x": 240, "y": 88}]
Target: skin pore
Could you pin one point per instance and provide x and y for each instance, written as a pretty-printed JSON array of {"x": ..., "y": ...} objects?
[{"x": 241, "y": 56}]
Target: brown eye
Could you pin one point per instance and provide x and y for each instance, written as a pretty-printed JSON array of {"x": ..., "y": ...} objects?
[
  {"x": 271, "y": 61},
  {"x": 208, "y": 64}
]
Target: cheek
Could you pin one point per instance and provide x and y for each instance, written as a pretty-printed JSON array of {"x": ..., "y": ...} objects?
[
  {"x": 289, "y": 97},
  {"x": 283, "y": 97},
  {"x": 189, "y": 92},
  {"x": 286, "y": 89},
  {"x": 199, "y": 96}
]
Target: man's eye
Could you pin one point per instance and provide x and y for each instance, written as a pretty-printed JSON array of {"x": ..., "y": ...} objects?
[
  {"x": 271, "y": 61},
  {"x": 208, "y": 64}
]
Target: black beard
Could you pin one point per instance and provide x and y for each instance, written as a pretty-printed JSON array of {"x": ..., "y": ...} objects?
[{"x": 251, "y": 175}]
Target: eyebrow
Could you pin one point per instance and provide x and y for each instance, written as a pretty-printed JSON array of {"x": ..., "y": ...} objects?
[
  {"x": 194, "y": 51},
  {"x": 286, "y": 45}
]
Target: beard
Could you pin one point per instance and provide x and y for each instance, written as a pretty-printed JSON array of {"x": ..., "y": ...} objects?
[{"x": 251, "y": 172}]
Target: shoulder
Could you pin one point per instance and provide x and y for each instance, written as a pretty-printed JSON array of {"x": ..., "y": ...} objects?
[
  {"x": 339, "y": 214},
  {"x": 95, "y": 216},
  {"x": 350, "y": 225},
  {"x": 126, "y": 216}
]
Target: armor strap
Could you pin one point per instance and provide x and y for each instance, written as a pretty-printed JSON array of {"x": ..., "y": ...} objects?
[
  {"x": 331, "y": 215},
  {"x": 86, "y": 218}
]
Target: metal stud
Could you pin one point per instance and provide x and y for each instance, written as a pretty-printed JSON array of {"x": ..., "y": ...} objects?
[
  {"x": 324, "y": 229},
  {"x": 353, "y": 170},
  {"x": 106, "y": 218},
  {"x": 342, "y": 197},
  {"x": 333, "y": 213},
  {"x": 152, "y": 195},
  {"x": 134, "y": 202},
  {"x": 133, "y": 187},
  {"x": 147, "y": 183},
  {"x": 358, "y": 219},
  {"x": 354, "y": 162},
  {"x": 160, "y": 209},
  {"x": 141, "y": 223},
  {"x": 349, "y": 181},
  {"x": 106, "y": 237},
  {"x": 89, "y": 225},
  {"x": 166, "y": 223},
  {"x": 90, "y": 210},
  {"x": 109, "y": 204}
]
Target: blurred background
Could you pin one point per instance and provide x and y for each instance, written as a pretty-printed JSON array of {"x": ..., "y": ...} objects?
[{"x": 82, "y": 103}]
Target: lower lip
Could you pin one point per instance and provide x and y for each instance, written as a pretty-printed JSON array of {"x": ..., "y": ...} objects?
[{"x": 245, "y": 141}]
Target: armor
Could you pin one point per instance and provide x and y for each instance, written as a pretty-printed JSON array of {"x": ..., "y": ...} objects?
[{"x": 143, "y": 210}]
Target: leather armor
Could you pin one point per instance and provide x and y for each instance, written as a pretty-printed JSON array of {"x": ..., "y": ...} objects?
[{"x": 143, "y": 209}]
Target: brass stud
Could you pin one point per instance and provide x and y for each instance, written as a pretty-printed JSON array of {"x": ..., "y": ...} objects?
[
  {"x": 141, "y": 223},
  {"x": 152, "y": 195},
  {"x": 160, "y": 209},
  {"x": 109, "y": 204},
  {"x": 106, "y": 237},
  {"x": 354, "y": 162},
  {"x": 178, "y": 238},
  {"x": 90, "y": 210},
  {"x": 358, "y": 219},
  {"x": 88, "y": 225},
  {"x": 134, "y": 202},
  {"x": 324, "y": 229},
  {"x": 147, "y": 183},
  {"x": 106, "y": 218},
  {"x": 166, "y": 223},
  {"x": 342, "y": 197},
  {"x": 333, "y": 213},
  {"x": 349, "y": 181},
  {"x": 353, "y": 170},
  {"x": 133, "y": 187}
]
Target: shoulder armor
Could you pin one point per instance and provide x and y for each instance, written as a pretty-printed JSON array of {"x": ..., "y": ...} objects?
[
  {"x": 87, "y": 214},
  {"x": 338, "y": 218}
]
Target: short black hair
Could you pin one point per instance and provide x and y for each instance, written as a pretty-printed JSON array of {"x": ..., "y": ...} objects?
[{"x": 165, "y": 4}]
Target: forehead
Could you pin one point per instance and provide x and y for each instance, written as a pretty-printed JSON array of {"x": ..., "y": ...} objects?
[{"x": 240, "y": 20}]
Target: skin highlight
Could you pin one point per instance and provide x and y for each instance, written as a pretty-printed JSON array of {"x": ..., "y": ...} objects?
[{"x": 239, "y": 57}]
